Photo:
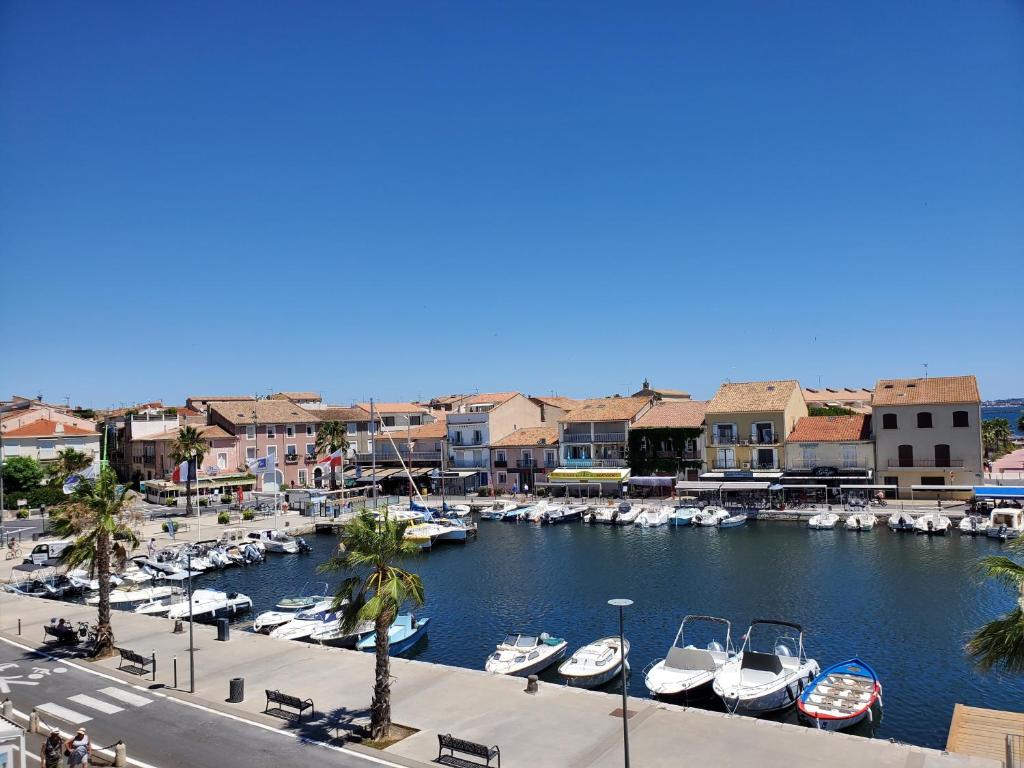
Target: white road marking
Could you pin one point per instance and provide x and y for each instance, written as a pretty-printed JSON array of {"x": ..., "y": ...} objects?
[
  {"x": 63, "y": 713},
  {"x": 100, "y": 706},
  {"x": 126, "y": 696}
]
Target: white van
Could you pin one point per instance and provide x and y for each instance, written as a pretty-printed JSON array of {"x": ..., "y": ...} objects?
[{"x": 48, "y": 552}]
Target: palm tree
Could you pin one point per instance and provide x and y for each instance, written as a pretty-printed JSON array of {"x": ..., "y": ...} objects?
[
  {"x": 69, "y": 462},
  {"x": 995, "y": 436},
  {"x": 1000, "y": 642},
  {"x": 1020, "y": 422},
  {"x": 377, "y": 591},
  {"x": 99, "y": 518},
  {"x": 188, "y": 446},
  {"x": 330, "y": 438}
]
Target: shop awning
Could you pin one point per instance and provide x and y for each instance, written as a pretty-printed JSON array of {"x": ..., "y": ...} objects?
[
  {"x": 731, "y": 476},
  {"x": 999, "y": 491},
  {"x": 869, "y": 487},
  {"x": 697, "y": 485},
  {"x": 745, "y": 486},
  {"x": 663, "y": 481},
  {"x": 807, "y": 485},
  {"x": 939, "y": 488},
  {"x": 831, "y": 477},
  {"x": 592, "y": 475}
]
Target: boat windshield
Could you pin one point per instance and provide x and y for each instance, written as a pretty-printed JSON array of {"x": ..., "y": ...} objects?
[{"x": 520, "y": 641}]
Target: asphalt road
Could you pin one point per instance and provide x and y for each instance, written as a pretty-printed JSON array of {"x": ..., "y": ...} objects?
[{"x": 159, "y": 731}]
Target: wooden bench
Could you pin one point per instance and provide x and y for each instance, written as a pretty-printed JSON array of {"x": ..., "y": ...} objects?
[
  {"x": 136, "y": 663},
  {"x": 284, "y": 700},
  {"x": 52, "y": 635},
  {"x": 453, "y": 745}
]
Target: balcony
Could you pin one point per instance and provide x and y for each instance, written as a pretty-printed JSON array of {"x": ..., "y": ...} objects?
[
  {"x": 680, "y": 455},
  {"x": 501, "y": 463},
  {"x": 310, "y": 458},
  {"x": 597, "y": 437},
  {"x": 147, "y": 460},
  {"x": 526, "y": 464},
  {"x": 576, "y": 437},
  {"x": 389, "y": 455},
  {"x": 291, "y": 458},
  {"x": 746, "y": 465},
  {"x": 810, "y": 466},
  {"x": 926, "y": 463},
  {"x": 725, "y": 439},
  {"x": 467, "y": 443},
  {"x": 725, "y": 465},
  {"x": 467, "y": 463}
]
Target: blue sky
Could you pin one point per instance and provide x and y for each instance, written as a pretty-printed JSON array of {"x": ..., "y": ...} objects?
[{"x": 403, "y": 200}]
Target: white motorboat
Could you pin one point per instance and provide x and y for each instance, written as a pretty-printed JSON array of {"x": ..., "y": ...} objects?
[
  {"x": 628, "y": 513},
  {"x": 533, "y": 514},
  {"x": 275, "y": 541},
  {"x": 82, "y": 580},
  {"x": 973, "y": 525},
  {"x": 498, "y": 510},
  {"x": 766, "y": 677},
  {"x": 1005, "y": 523},
  {"x": 688, "y": 670},
  {"x": 521, "y": 654},
  {"x": 452, "y": 529},
  {"x": 901, "y": 521},
  {"x": 563, "y": 513},
  {"x": 861, "y": 521},
  {"x": 330, "y": 632},
  {"x": 596, "y": 663},
  {"x": 309, "y": 595},
  {"x": 130, "y": 595},
  {"x": 302, "y": 624},
  {"x": 683, "y": 515},
  {"x": 653, "y": 517},
  {"x": 605, "y": 515},
  {"x": 733, "y": 521},
  {"x": 710, "y": 517},
  {"x": 933, "y": 523},
  {"x": 162, "y": 606},
  {"x": 210, "y": 603},
  {"x": 823, "y": 521}
]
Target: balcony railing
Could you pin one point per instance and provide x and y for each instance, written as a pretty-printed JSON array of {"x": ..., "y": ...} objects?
[
  {"x": 681, "y": 455},
  {"x": 501, "y": 462},
  {"x": 766, "y": 439},
  {"x": 471, "y": 441},
  {"x": 812, "y": 465},
  {"x": 724, "y": 439},
  {"x": 310, "y": 458},
  {"x": 597, "y": 437},
  {"x": 291, "y": 458},
  {"x": 467, "y": 463},
  {"x": 392, "y": 456},
  {"x": 926, "y": 463},
  {"x": 745, "y": 465},
  {"x": 576, "y": 437}
]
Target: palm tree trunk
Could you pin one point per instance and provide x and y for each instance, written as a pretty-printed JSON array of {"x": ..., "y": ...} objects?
[
  {"x": 104, "y": 631},
  {"x": 380, "y": 709},
  {"x": 188, "y": 495},
  {"x": 334, "y": 483}
]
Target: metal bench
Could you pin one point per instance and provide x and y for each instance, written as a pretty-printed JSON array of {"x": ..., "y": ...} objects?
[
  {"x": 136, "y": 663},
  {"x": 66, "y": 635},
  {"x": 453, "y": 745},
  {"x": 284, "y": 700}
]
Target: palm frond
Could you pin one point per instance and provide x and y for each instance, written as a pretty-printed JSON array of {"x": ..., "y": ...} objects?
[
  {"x": 1000, "y": 643},
  {"x": 1003, "y": 569}
]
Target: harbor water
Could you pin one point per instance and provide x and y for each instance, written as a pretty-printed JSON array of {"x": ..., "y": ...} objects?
[{"x": 904, "y": 603}]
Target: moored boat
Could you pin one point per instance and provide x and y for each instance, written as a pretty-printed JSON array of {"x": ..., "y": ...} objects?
[
  {"x": 628, "y": 513},
  {"x": 734, "y": 521},
  {"x": 653, "y": 517},
  {"x": 683, "y": 515},
  {"x": 933, "y": 523},
  {"x": 710, "y": 517},
  {"x": 595, "y": 663},
  {"x": 841, "y": 696},
  {"x": 403, "y": 634},
  {"x": 521, "y": 654},
  {"x": 209, "y": 604},
  {"x": 1005, "y": 523},
  {"x": 275, "y": 541},
  {"x": 498, "y": 510},
  {"x": 973, "y": 525},
  {"x": 823, "y": 521},
  {"x": 860, "y": 521},
  {"x": 687, "y": 670},
  {"x": 901, "y": 521}
]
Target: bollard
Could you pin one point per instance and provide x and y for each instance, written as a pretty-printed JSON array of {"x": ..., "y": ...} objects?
[
  {"x": 120, "y": 755},
  {"x": 7, "y": 709},
  {"x": 175, "y": 660},
  {"x": 531, "y": 684},
  {"x": 178, "y": 627},
  {"x": 152, "y": 654},
  {"x": 33, "y": 722},
  {"x": 19, "y": 627}
]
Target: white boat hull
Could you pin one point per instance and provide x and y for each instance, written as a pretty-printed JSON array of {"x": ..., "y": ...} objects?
[{"x": 743, "y": 698}]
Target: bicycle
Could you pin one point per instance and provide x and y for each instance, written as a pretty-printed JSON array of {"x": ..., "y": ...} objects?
[{"x": 12, "y": 552}]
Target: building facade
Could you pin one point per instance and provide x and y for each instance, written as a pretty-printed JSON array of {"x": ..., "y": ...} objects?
[
  {"x": 928, "y": 432},
  {"x": 669, "y": 440},
  {"x": 830, "y": 451},
  {"x": 524, "y": 460}
]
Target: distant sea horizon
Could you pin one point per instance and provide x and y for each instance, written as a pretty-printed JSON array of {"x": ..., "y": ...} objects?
[{"x": 1009, "y": 412}]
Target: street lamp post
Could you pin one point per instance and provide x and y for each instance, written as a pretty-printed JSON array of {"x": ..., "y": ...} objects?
[
  {"x": 191, "y": 637},
  {"x": 622, "y": 604}
]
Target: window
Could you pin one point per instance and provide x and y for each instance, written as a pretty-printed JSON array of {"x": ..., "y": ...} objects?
[
  {"x": 302, "y": 477},
  {"x": 933, "y": 480},
  {"x": 892, "y": 481},
  {"x": 549, "y": 458},
  {"x": 478, "y": 437},
  {"x": 311, "y": 449},
  {"x": 501, "y": 478},
  {"x": 942, "y": 455},
  {"x": 250, "y": 453},
  {"x": 351, "y": 427},
  {"x": 270, "y": 431},
  {"x": 415, "y": 421},
  {"x": 726, "y": 459},
  {"x": 290, "y": 450},
  {"x": 389, "y": 421},
  {"x": 906, "y": 455},
  {"x": 810, "y": 455},
  {"x": 960, "y": 419},
  {"x": 250, "y": 432},
  {"x": 289, "y": 431},
  {"x": 271, "y": 450},
  {"x": 849, "y": 456},
  {"x": 457, "y": 437},
  {"x": 924, "y": 420},
  {"x": 222, "y": 461},
  {"x": 310, "y": 430},
  {"x": 499, "y": 456},
  {"x": 889, "y": 421},
  {"x": 725, "y": 434}
]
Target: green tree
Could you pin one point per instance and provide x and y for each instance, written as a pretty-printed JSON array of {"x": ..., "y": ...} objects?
[
  {"x": 69, "y": 462},
  {"x": 1020, "y": 422},
  {"x": 995, "y": 436},
  {"x": 21, "y": 475},
  {"x": 376, "y": 591},
  {"x": 1000, "y": 642},
  {"x": 99, "y": 518},
  {"x": 191, "y": 447},
  {"x": 331, "y": 437}
]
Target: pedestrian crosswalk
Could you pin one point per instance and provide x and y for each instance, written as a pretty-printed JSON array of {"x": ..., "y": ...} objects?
[{"x": 93, "y": 705}]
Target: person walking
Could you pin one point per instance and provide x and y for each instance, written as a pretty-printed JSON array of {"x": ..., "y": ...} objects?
[
  {"x": 52, "y": 751},
  {"x": 79, "y": 750},
  {"x": 152, "y": 548}
]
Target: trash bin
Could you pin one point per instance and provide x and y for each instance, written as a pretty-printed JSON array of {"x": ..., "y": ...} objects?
[
  {"x": 223, "y": 629},
  {"x": 237, "y": 690},
  {"x": 35, "y": 537}
]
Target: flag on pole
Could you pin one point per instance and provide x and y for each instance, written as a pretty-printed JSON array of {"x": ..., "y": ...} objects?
[
  {"x": 184, "y": 471},
  {"x": 262, "y": 464},
  {"x": 332, "y": 459}
]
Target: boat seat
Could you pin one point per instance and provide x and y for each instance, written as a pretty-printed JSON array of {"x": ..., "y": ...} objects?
[
  {"x": 690, "y": 658},
  {"x": 761, "y": 662}
]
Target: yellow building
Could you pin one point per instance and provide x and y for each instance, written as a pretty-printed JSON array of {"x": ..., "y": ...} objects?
[{"x": 747, "y": 424}]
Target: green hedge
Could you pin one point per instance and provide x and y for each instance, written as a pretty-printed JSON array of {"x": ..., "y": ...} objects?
[{"x": 223, "y": 518}]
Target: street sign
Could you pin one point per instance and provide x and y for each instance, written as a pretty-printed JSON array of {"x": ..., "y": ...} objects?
[{"x": 22, "y": 502}]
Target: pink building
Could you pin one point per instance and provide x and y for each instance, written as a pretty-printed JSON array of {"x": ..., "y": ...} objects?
[{"x": 525, "y": 458}]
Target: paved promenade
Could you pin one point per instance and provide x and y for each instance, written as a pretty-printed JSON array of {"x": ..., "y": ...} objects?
[{"x": 558, "y": 726}]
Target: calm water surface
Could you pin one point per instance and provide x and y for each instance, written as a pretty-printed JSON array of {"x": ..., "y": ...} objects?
[{"x": 903, "y": 603}]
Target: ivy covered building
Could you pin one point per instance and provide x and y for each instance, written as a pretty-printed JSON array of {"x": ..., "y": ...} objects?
[{"x": 668, "y": 441}]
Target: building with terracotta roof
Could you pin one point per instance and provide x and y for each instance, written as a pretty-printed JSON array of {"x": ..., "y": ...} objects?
[
  {"x": 668, "y": 440},
  {"x": 747, "y": 423},
  {"x": 43, "y": 438},
  {"x": 150, "y": 453},
  {"x": 928, "y": 432},
  {"x": 202, "y": 402},
  {"x": 398, "y": 416},
  {"x": 594, "y": 435},
  {"x": 524, "y": 459},
  {"x": 302, "y": 398},
  {"x": 856, "y": 399},
  {"x": 661, "y": 394},
  {"x": 839, "y": 449}
]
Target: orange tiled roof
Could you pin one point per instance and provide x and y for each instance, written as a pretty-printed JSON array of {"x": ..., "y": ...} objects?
[
  {"x": 267, "y": 412},
  {"x": 528, "y": 436},
  {"x": 47, "y": 428},
  {"x": 607, "y": 409},
  {"x": 557, "y": 401},
  {"x": 941, "y": 389},
  {"x": 341, "y": 413},
  {"x": 752, "y": 396},
  {"x": 680, "y": 414},
  {"x": 295, "y": 396},
  {"x": 380, "y": 408},
  {"x": 435, "y": 430},
  {"x": 495, "y": 398},
  {"x": 831, "y": 429}
]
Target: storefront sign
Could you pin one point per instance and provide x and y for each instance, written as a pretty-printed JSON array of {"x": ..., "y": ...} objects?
[
  {"x": 595, "y": 475},
  {"x": 825, "y": 471}
]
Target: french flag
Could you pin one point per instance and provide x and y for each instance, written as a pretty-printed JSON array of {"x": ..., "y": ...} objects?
[
  {"x": 332, "y": 459},
  {"x": 181, "y": 472}
]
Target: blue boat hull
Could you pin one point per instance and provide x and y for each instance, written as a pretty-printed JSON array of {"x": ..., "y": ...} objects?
[{"x": 399, "y": 645}]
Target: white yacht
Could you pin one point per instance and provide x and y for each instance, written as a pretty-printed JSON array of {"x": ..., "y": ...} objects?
[
  {"x": 521, "y": 654},
  {"x": 683, "y": 515},
  {"x": 861, "y": 521},
  {"x": 304, "y": 623},
  {"x": 628, "y": 513},
  {"x": 452, "y": 529},
  {"x": 901, "y": 521},
  {"x": 563, "y": 513},
  {"x": 605, "y": 514},
  {"x": 823, "y": 521},
  {"x": 210, "y": 603},
  {"x": 535, "y": 512},
  {"x": 1005, "y": 523},
  {"x": 130, "y": 595},
  {"x": 308, "y": 596},
  {"x": 710, "y": 517},
  {"x": 596, "y": 663},
  {"x": 330, "y": 632},
  {"x": 162, "y": 606},
  {"x": 973, "y": 525},
  {"x": 760, "y": 681},
  {"x": 275, "y": 541},
  {"x": 498, "y": 510},
  {"x": 688, "y": 670},
  {"x": 933, "y": 523},
  {"x": 653, "y": 517}
]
